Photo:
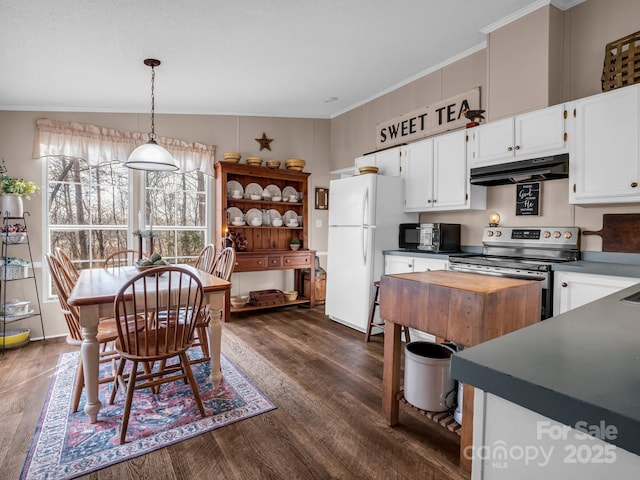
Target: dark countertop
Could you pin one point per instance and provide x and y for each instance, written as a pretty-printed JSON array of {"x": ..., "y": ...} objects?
[
  {"x": 425, "y": 254},
  {"x": 599, "y": 263},
  {"x": 583, "y": 365},
  {"x": 599, "y": 268}
]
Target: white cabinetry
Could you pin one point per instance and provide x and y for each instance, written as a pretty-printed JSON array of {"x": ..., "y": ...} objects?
[
  {"x": 404, "y": 264},
  {"x": 605, "y": 159},
  {"x": 387, "y": 161},
  {"x": 573, "y": 290},
  {"x": 538, "y": 133},
  {"x": 436, "y": 176}
]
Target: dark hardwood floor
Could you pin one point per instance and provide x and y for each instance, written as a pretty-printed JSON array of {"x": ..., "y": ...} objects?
[{"x": 325, "y": 381}]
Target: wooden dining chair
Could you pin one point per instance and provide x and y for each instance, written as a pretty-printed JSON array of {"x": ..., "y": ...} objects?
[
  {"x": 107, "y": 331},
  {"x": 224, "y": 264},
  {"x": 222, "y": 267},
  {"x": 206, "y": 258},
  {"x": 121, "y": 258},
  {"x": 205, "y": 262},
  {"x": 67, "y": 264},
  {"x": 141, "y": 341}
]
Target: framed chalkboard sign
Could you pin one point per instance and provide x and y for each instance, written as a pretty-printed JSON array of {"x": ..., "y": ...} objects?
[{"x": 528, "y": 198}]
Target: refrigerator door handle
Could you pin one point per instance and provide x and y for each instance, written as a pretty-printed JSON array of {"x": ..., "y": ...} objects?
[
  {"x": 365, "y": 205},
  {"x": 364, "y": 246},
  {"x": 365, "y": 242}
]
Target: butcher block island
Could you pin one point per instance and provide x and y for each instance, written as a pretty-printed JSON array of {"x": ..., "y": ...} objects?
[{"x": 460, "y": 307}]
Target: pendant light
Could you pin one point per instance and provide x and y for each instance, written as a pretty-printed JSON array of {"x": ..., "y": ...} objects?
[{"x": 151, "y": 156}]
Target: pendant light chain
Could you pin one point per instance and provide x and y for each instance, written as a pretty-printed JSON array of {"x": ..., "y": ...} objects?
[
  {"x": 151, "y": 156},
  {"x": 152, "y": 135}
]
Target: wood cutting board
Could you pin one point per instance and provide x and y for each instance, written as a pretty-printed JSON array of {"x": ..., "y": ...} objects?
[{"x": 620, "y": 232}]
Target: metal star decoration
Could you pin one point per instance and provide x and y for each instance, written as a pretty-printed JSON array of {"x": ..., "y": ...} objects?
[{"x": 264, "y": 141}]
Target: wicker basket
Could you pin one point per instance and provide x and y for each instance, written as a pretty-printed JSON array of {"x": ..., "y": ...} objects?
[
  {"x": 13, "y": 237},
  {"x": 14, "y": 272},
  {"x": 621, "y": 62}
]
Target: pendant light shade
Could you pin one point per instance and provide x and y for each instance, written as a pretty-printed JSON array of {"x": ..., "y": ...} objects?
[{"x": 151, "y": 156}]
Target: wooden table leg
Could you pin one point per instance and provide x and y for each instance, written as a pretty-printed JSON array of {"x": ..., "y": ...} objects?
[
  {"x": 391, "y": 373},
  {"x": 216, "y": 305},
  {"x": 90, "y": 351}
]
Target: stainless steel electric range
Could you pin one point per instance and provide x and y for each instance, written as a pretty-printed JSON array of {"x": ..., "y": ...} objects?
[{"x": 522, "y": 252}]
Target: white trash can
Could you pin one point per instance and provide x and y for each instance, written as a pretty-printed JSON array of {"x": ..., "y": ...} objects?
[{"x": 427, "y": 376}]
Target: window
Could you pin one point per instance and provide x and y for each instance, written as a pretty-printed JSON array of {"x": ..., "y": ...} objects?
[
  {"x": 91, "y": 210},
  {"x": 176, "y": 206}
]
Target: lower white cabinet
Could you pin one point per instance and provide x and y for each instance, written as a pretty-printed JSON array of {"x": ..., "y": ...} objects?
[
  {"x": 401, "y": 264},
  {"x": 573, "y": 290}
]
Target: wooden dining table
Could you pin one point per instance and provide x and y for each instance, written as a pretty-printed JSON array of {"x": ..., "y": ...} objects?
[{"x": 94, "y": 294}]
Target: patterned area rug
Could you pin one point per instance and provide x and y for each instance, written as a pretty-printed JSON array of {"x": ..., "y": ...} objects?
[{"x": 66, "y": 446}]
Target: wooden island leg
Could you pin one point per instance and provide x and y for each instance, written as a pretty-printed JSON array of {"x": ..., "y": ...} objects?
[
  {"x": 466, "y": 440},
  {"x": 391, "y": 373}
]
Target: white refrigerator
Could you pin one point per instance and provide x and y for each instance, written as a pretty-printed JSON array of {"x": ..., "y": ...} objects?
[{"x": 364, "y": 214}]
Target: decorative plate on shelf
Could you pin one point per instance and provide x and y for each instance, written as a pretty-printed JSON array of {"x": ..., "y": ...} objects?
[
  {"x": 233, "y": 212},
  {"x": 287, "y": 191},
  {"x": 274, "y": 191},
  {"x": 232, "y": 186},
  {"x": 253, "y": 189},
  {"x": 289, "y": 215},
  {"x": 254, "y": 213},
  {"x": 273, "y": 214}
]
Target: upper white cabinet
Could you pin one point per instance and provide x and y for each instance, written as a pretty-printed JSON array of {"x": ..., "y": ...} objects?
[
  {"x": 573, "y": 290},
  {"x": 436, "y": 176},
  {"x": 417, "y": 173},
  {"x": 604, "y": 164},
  {"x": 538, "y": 133},
  {"x": 387, "y": 161}
]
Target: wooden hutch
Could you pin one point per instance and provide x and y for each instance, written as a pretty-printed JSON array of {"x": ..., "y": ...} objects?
[{"x": 267, "y": 246}]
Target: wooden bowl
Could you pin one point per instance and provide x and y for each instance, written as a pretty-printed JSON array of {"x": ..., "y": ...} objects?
[
  {"x": 254, "y": 160},
  {"x": 239, "y": 301},
  {"x": 290, "y": 295},
  {"x": 368, "y": 169},
  {"x": 273, "y": 163},
  {"x": 296, "y": 162},
  {"x": 233, "y": 157}
]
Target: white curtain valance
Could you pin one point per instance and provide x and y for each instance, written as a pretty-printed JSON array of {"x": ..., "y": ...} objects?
[{"x": 99, "y": 145}]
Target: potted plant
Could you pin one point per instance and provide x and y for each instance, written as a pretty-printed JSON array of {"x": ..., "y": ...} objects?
[
  {"x": 295, "y": 243},
  {"x": 13, "y": 190}
]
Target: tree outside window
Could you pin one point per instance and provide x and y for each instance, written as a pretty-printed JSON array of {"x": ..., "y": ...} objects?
[{"x": 89, "y": 211}]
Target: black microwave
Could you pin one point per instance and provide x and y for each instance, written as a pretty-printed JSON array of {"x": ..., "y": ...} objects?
[{"x": 409, "y": 236}]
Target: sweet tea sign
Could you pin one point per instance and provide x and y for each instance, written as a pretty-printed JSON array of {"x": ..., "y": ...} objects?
[{"x": 437, "y": 118}]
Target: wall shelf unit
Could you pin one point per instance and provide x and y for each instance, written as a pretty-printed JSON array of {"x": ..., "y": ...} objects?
[{"x": 15, "y": 237}]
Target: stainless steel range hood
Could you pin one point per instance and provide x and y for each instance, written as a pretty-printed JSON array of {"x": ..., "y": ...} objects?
[{"x": 532, "y": 170}]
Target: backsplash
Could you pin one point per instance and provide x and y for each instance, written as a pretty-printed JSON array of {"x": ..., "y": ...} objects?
[{"x": 554, "y": 210}]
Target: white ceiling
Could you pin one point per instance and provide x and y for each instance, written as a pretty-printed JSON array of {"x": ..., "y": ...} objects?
[{"x": 241, "y": 57}]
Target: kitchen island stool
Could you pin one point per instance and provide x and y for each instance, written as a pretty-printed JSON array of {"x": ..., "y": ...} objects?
[{"x": 372, "y": 313}]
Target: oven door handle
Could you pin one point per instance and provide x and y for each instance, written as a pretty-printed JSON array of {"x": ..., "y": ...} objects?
[{"x": 496, "y": 274}]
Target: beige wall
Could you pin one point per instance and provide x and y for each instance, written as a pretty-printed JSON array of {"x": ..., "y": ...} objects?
[
  {"x": 353, "y": 133},
  {"x": 518, "y": 65},
  {"x": 301, "y": 138},
  {"x": 542, "y": 59},
  {"x": 591, "y": 25}
]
